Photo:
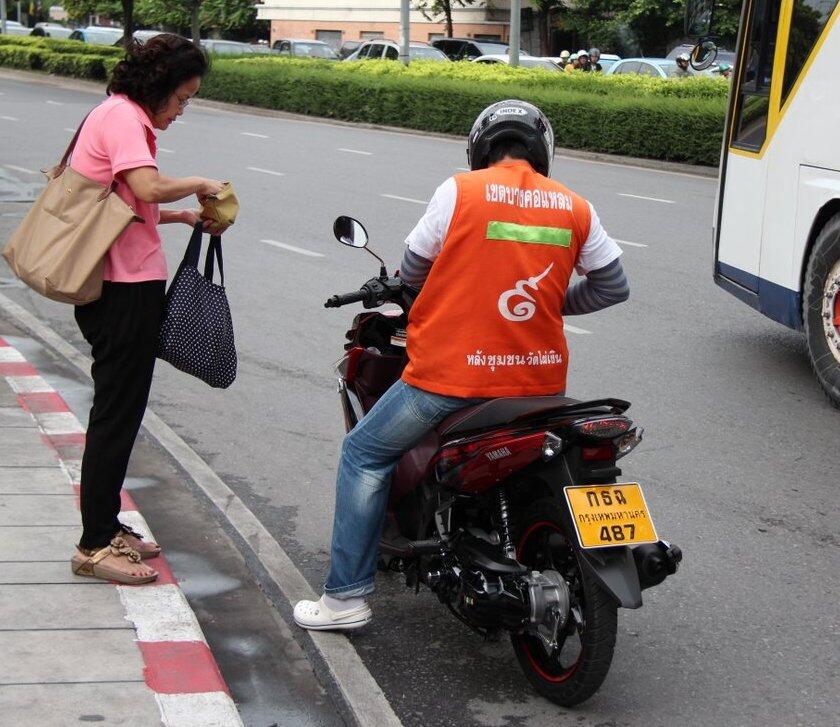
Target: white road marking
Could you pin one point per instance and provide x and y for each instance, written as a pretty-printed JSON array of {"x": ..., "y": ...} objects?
[
  {"x": 650, "y": 199},
  {"x": 463, "y": 169},
  {"x": 575, "y": 329},
  {"x": 19, "y": 169},
  {"x": 72, "y": 131},
  {"x": 178, "y": 121},
  {"x": 266, "y": 171},
  {"x": 166, "y": 151},
  {"x": 631, "y": 244},
  {"x": 10, "y": 355},
  {"x": 9, "y": 118},
  {"x": 201, "y": 708},
  {"x": 255, "y": 136},
  {"x": 54, "y": 103},
  {"x": 59, "y": 422},
  {"x": 405, "y": 199},
  {"x": 292, "y": 248},
  {"x": 28, "y": 384},
  {"x": 160, "y": 613},
  {"x": 356, "y": 151}
]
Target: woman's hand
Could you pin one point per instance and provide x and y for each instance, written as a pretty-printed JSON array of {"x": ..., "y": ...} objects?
[
  {"x": 193, "y": 217},
  {"x": 208, "y": 187}
]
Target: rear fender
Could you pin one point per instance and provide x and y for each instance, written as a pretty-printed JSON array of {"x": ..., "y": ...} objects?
[{"x": 615, "y": 571}]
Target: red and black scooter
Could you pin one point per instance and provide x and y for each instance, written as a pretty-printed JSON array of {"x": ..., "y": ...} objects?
[{"x": 511, "y": 511}]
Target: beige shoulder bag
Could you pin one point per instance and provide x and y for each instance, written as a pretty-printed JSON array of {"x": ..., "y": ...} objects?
[{"x": 59, "y": 248}]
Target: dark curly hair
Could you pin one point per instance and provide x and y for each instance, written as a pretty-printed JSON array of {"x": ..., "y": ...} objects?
[{"x": 151, "y": 71}]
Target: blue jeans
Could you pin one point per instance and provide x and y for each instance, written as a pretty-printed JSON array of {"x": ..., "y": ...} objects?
[{"x": 395, "y": 424}]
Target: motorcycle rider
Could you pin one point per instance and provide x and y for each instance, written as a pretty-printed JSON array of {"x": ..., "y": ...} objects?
[{"x": 492, "y": 255}]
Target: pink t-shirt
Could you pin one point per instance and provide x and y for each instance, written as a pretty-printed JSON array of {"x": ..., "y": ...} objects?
[{"x": 117, "y": 136}]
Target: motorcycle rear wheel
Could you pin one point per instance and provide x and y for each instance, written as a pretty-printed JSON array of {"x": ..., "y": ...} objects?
[{"x": 578, "y": 666}]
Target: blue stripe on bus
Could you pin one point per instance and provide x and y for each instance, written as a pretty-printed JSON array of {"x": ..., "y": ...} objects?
[{"x": 773, "y": 300}]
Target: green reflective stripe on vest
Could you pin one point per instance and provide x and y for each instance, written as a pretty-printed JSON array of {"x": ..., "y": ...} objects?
[{"x": 529, "y": 233}]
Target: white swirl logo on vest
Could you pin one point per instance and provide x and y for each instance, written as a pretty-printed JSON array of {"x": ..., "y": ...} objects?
[{"x": 525, "y": 309}]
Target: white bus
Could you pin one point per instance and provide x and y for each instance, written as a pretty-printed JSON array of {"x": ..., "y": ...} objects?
[{"x": 777, "y": 222}]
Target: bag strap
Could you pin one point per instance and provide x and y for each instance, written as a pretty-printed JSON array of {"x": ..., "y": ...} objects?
[
  {"x": 72, "y": 145},
  {"x": 193, "y": 251},
  {"x": 214, "y": 250}
]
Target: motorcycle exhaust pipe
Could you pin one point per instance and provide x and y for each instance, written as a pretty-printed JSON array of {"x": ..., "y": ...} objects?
[{"x": 655, "y": 562}]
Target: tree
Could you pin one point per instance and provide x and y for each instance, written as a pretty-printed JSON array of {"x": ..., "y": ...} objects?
[
  {"x": 114, "y": 9},
  {"x": 640, "y": 27},
  {"x": 433, "y": 10},
  {"x": 545, "y": 9},
  {"x": 82, "y": 9},
  {"x": 198, "y": 14}
]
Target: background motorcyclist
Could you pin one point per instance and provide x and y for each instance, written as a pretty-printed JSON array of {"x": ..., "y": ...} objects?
[
  {"x": 493, "y": 256},
  {"x": 683, "y": 70}
]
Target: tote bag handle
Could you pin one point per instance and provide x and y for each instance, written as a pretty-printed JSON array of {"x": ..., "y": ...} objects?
[{"x": 214, "y": 252}]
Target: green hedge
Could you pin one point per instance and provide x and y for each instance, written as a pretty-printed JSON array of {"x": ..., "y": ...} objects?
[
  {"x": 661, "y": 127},
  {"x": 76, "y": 47},
  {"x": 634, "y": 116},
  {"x": 589, "y": 83},
  {"x": 22, "y": 57}
]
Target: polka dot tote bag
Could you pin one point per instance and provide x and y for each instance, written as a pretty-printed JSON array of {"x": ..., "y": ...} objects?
[{"x": 197, "y": 331}]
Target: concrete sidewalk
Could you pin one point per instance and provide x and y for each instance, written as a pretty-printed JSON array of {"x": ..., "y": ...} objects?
[{"x": 76, "y": 649}]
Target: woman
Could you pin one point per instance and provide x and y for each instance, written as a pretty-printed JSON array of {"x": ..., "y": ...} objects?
[{"x": 148, "y": 91}]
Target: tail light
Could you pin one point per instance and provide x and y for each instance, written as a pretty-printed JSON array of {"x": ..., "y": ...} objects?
[
  {"x": 603, "y": 427},
  {"x": 480, "y": 464}
]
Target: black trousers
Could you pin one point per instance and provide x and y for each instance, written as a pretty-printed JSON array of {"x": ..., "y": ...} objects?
[{"x": 122, "y": 328}]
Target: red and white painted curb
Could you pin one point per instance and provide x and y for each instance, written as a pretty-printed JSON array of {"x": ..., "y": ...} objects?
[{"x": 179, "y": 666}]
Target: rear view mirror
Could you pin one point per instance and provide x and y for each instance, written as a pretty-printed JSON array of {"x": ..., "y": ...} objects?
[
  {"x": 698, "y": 17},
  {"x": 703, "y": 55},
  {"x": 349, "y": 231}
]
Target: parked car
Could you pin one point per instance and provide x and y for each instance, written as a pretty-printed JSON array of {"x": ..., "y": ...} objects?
[
  {"x": 142, "y": 35},
  {"x": 52, "y": 30},
  {"x": 232, "y": 47},
  {"x": 304, "y": 49},
  {"x": 97, "y": 35},
  {"x": 524, "y": 61},
  {"x": 389, "y": 50},
  {"x": 15, "y": 28},
  {"x": 460, "y": 49},
  {"x": 656, "y": 67},
  {"x": 348, "y": 47}
]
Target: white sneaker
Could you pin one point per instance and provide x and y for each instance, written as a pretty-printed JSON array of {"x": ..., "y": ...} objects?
[{"x": 317, "y": 616}]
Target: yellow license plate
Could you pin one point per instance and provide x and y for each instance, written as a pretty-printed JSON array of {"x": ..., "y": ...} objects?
[{"x": 607, "y": 515}]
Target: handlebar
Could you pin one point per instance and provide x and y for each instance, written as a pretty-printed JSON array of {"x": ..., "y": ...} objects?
[
  {"x": 373, "y": 293},
  {"x": 336, "y": 301}
]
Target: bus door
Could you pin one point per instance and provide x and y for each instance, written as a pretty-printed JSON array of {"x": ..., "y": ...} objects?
[{"x": 744, "y": 169}]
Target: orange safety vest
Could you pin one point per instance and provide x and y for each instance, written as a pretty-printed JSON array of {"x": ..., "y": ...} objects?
[{"x": 488, "y": 320}]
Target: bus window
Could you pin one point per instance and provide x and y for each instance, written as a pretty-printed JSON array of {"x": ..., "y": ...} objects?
[
  {"x": 750, "y": 122},
  {"x": 809, "y": 19}
]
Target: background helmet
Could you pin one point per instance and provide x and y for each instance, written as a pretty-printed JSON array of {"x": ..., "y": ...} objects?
[
  {"x": 684, "y": 57},
  {"x": 512, "y": 120}
]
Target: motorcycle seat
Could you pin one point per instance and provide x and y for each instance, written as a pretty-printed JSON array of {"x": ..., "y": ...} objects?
[{"x": 500, "y": 412}]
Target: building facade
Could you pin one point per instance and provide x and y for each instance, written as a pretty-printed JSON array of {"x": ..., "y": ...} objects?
[{"x": 336, "y": 21}]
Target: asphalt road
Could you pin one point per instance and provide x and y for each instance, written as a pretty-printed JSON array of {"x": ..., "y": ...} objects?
[{"x": 738, "y": 463}]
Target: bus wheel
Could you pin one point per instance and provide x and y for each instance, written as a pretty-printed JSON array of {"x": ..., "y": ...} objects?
[{"x": 821, "y": 309}]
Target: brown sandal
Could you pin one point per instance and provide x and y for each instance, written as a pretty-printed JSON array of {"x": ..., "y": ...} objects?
[
  {"x": 93, "y": 563},
  {"x": 146, "y": 548}
]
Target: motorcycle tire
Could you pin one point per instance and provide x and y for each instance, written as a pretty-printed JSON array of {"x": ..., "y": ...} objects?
[
  {"x": 544, "y": 543},
  {"x": 821, "y": 309}
]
